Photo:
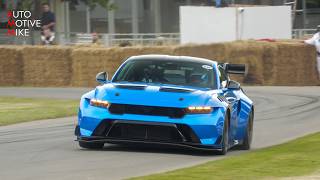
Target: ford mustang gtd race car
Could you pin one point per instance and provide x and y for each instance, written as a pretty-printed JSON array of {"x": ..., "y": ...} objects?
[{"x": 173, "y": 100}]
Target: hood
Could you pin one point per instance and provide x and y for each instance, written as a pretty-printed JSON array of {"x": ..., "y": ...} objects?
[{"x": 155, "y": 95}]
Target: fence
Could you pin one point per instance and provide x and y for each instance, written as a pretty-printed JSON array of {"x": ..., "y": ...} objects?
[
  {"x": 302, "y": 33},
  {"x": 117, "y": 39},
  {"x": 74, "y": 38},
  {"x": 145, "y": 39}
]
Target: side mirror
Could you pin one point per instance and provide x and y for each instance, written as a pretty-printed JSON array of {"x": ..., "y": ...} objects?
[
  {"x": 236, "y": 68},
  {"x": 233, "y": 85},
  {"x": 102, "y": 77}
]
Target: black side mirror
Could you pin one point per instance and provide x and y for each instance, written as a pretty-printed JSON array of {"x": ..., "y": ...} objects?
[
  {"x": 234, "y": 85},
  {"x": 102, "y": 77}
]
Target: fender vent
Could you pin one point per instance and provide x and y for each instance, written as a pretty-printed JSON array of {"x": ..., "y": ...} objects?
[{"x": 222, "y": 98}]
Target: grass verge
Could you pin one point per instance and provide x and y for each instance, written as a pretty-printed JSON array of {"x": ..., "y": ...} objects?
[
  {"x": 295, "y": 158},
  {"x": 16, "y": 110}
]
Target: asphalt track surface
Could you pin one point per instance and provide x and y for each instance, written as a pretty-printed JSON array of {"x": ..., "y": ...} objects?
[{"x": 46, "y": 149}]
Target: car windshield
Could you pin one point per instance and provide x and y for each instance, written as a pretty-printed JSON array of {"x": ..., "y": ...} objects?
[{"x": 178, "y": 72}]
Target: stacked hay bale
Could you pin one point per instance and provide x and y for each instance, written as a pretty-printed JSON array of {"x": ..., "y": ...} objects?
[
  {"x": 46, "y": 66},
  {"x": 165, "y": 50},
  {"x": 295, "y": 64},
  {"x": 269, "y": 63},
  {"x": 11, "y": 73},
  {"x": 253, "y": 55},
  {"x": 87, "y": 62},
  {"x": 269, "y": 59},
  {"x": 209, "y": 51},
  {"x": 235, "y": 52}
]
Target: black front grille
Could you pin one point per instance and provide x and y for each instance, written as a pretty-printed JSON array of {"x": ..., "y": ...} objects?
[
  {"x": 147, "y": 110},
  {"x": 152, "y": 131},
  {"x": 145, "y": 132}
]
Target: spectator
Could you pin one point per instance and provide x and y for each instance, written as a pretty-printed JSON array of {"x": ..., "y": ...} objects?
[
  {"x": 315, "y": 41},
  {"x": 95, "y": 38},
  {"x": 47, "y": 25}
]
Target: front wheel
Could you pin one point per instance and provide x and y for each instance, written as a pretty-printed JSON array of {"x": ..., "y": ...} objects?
[
  {"x": 91, "y": 145},
  {"x": 225, "y": 138},
  {"x": 246, "y": 145}
]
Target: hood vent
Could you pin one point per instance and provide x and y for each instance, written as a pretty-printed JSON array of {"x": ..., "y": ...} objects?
[
  {"x": 178, "y": 90},
  {"x": 135, "y": 87}
]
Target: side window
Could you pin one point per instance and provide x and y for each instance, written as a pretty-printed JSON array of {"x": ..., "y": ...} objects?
[{"x": 223, "y": 78}]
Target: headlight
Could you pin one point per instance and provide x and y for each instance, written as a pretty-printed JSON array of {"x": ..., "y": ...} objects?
[
  {"x": 199, "y": 109},
  {"x": 99, "y": 103}
]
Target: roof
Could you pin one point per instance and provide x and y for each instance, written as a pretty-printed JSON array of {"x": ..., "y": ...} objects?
[{"x": 173, "y": 58}]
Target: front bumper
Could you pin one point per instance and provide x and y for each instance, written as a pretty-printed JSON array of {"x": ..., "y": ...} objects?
[
  {"x": 208, "y": 128},
  {"x": 141, "y": 132},
  {"x": 128, "y": 141}
]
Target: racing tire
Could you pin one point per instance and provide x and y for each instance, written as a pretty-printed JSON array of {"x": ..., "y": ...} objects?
[
  {"x": 225, "y": 137},
  {"x": 246, "y": 145},
  {"x": 91, "y": 145}
]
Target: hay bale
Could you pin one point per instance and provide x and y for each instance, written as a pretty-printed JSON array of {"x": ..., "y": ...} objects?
[
  {"x": 164, "y": 50},
  {"x": 87, "y": 62},
  {"x": 269, "y": 63},
  {"x": 10, "y": 66},
  {"x": 269, "y": 59},
  {"x": 295, "y": 65},
  {"x": 308, "y": 69},
  {"x": 209, "y": 51},
  {"x": 46, "y": 66},
  {"x": 236, "y": 52},
  {"x": 250, "y": 54}
]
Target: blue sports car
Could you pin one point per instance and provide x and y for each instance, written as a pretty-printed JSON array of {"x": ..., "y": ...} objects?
[{"x": 172, "y": 100}]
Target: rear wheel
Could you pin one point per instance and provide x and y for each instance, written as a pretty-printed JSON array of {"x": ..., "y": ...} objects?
[
  {"x": 248, "y": 136},
  {"x": 91, "y": 145},
  {"x": 225, "y": 138}
]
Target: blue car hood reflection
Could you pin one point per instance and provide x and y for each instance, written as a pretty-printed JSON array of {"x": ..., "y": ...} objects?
[{"x": 155, "y": 95}]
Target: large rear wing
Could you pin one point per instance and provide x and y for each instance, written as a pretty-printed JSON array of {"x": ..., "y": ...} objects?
[{"x": 235, "y": 68}]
